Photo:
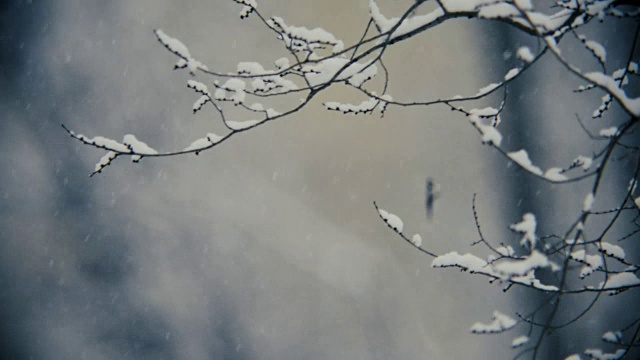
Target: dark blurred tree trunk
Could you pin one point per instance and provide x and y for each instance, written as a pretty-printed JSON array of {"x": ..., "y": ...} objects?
[{"x": 519, "y": 192}]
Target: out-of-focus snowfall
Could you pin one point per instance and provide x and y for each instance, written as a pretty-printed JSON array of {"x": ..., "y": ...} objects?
[{"x": 267, "y": 247}]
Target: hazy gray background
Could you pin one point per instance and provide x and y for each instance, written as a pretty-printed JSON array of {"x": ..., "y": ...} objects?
[{"x": 266, "y": 248}]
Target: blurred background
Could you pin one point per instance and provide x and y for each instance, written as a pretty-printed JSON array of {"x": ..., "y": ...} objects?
[{"x": 267, "y": 247}]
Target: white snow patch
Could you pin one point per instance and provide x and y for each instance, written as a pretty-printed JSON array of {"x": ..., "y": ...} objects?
[
  {"x": 250, "y": 68},
  {"x": 520, "y": 267},
  {"x": 612, "y": 250},
  {"x": 511, "y": 74},
  {"x": 612, "y": 336},
  {"x": 301, "y": 38},
  {"x": 611, "y": 85},
  {"x": 583, "y": 161},
  {"x": 500, "y": 323},
  {"x": 200, "y": 102},
  {"x": 392, "y": 220},
  {"x": 487, "y": 89},
  {"x": 138, "y": 147},
  {"x": 177, "y": 47},
  {"x": 598, "y": 50},
  {"x": 521, "y": 158},
  {"x": 409, "y": 24},
  {"x": 416, "y": 240},
  {"x": 488, "y": 111},
  {"x": 365, "y": 106},
  {"x": 241, "y": 125},
  {"x": 105, "y": 160},
  {"x": 490, "y": 135},
  {"x": 609, "y": 132},
  {"x": 466, "y": 261},
  {"x": 597, "y": 354},
  {"x": 282, "y": 63},
  {"x": 103, "y": 142},
  {"x": 619, "y": 281},
  {"x": 355, "y": 73},
  {"x": 555, "y": 174},
  {"x": 527, "y": 227},
  {"x": 204, "y": 142},
  {"x": 519, "y": 341},
  {"x": 592, "y": 262},
  {"x": 524, "y": 53},
  {"x": 198, "y": 86}
]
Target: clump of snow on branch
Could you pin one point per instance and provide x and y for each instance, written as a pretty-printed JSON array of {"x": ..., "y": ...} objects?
[
  {"x": 198, "y": 86},
  {"x": 583, "y": 161},
  {"x": 500, "y": 323},
  {"x": 519, "y": 341},
  {"x": 198, "y": 104},
  {"x": 367, "y": 106},
  {"x": 203, "y": 143},
  {"x": 302, "y": 39},
  {"x": 342, "y": 68},
  {"x": 526, "y": 227},
  {"x": 274, "y": 84},
  {"x": 511, "y": 74},
  {"x": 232, "y": 90},
  {"x": 512, "y": 269},
  {"x": 521, "y": 157},
  {"x": 382, "y": 23},
  {"x": 521, "y": 267},
  {"x": 487, "y": 89},
  {"x": 606, "y": 103},
  {"x": 592, "y": 262},
  {"x": 609, "y": 132},
  {"x": 138, "y": 147},
  {"x": 531, "y": 19},
  {"x": 248, "y": 8},
  {"x": 466, "y": 262},
  {"x": 267, "y": 82},
  {"x": 524, "y": 54},
  {"x": 104, "y": 161},
  {"x": 102, "y": 142},
  {"x": 614, "y": 337},
  {"x": 201, "y": 89},
  {"x": 619, "y": 282},
  {"x": 250, "y": 68},
  {"x": 490, "y": 135},
  {"x": 416, "y": 240},
  {"x": 392, "y": 220},
  {"x": 242, "y": 125},
  {"x": 612, "y": 250},
  {"x": 411, "y": 23},
  {"x": 555, "y": 174},
  {"x": 177, "y": 47},
  {"x": 597, "y": 354},
  {"x": 464, "y": 6},
  {"x": 608, "y": 83},
  {"x": 129, "y": 145},
  {"x": 595, "y": 48}
]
